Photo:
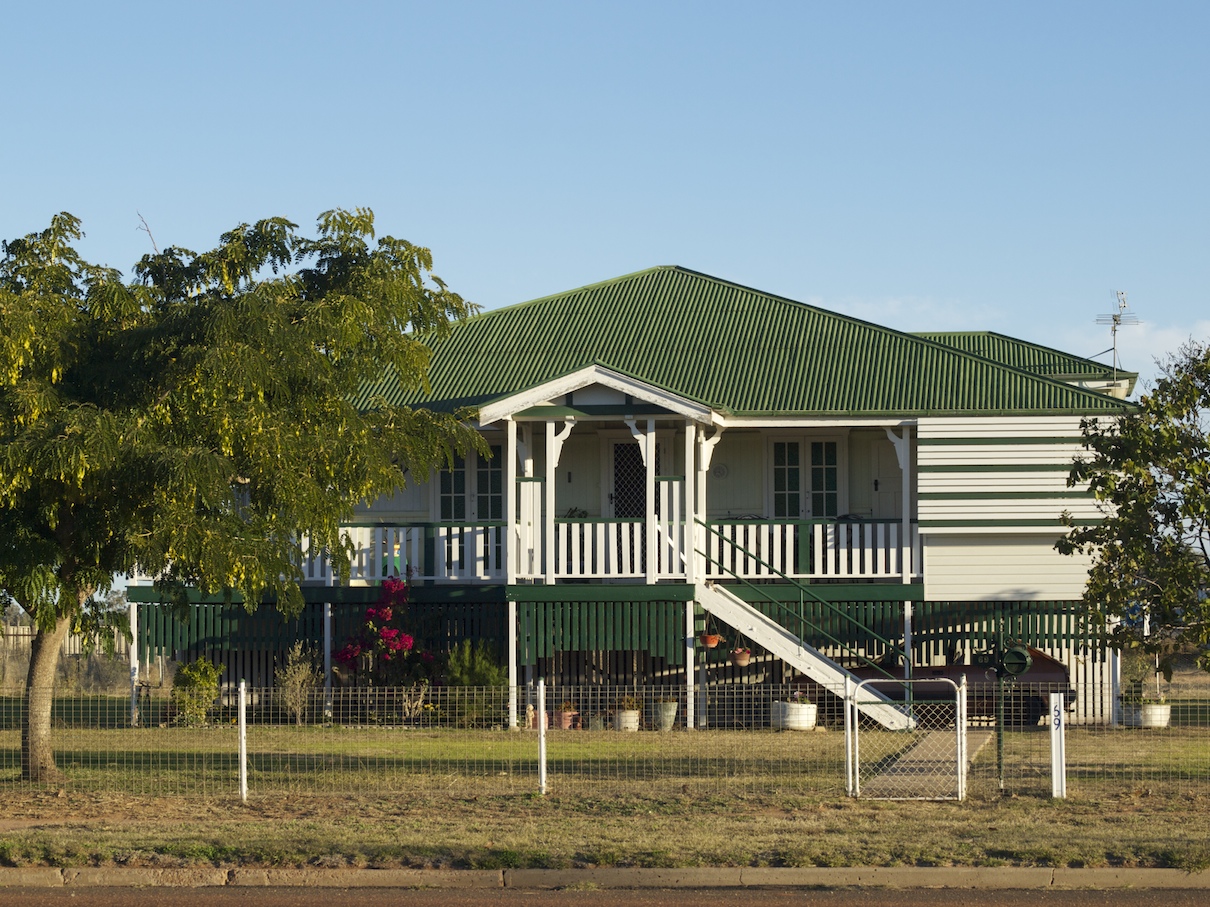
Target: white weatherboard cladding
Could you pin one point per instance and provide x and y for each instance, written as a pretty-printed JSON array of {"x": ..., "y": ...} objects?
[
  {"x": 1001, "y": 568},
  {"x": 1012, "y": 509},
  {"x": 735, "y": 484},
  {"x": 951, "y": 482},
  {"x": 409, "y": 503},
  {"x": 963, "y": 494},
  {"x": 999, "y": 427},
  {"x": 1041, "y": 454}
]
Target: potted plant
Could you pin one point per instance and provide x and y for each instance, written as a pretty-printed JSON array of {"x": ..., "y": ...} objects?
[
  {"x": 565, "y": 715},
  {"x": 794, "y": 713},
  {"x": 1143, "y": 709},
  {"x": 710, "y": 640},
  {"x": 665, "y": 712},
  {"x": 740, "y": 656},
  {"x": 626, "y": 715},
  {"x": 1141, "y": 705}
]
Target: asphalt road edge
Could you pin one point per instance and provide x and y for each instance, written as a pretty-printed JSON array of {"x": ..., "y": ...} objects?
[{"x": 998, "y": 878}]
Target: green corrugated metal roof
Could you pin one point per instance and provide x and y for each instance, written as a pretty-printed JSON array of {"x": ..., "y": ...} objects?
[
  {"x": 740, "y": 350},
  {"x": 1027, "y": 356}
]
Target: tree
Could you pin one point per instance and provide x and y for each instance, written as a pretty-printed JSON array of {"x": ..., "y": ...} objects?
[
  {"x": 199, "y": 423},
  {"x": 1151, "y": 554}
]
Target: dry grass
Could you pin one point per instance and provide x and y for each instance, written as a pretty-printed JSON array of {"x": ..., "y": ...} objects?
[
  {"x": 443, "y": 798},
  {"x": 449, "y": 829}
]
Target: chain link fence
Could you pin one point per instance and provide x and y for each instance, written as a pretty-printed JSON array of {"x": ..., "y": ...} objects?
[{"x": 745, "y": 740}]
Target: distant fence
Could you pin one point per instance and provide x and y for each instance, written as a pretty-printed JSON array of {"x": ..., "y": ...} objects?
[{"x": 18, "y": 639}]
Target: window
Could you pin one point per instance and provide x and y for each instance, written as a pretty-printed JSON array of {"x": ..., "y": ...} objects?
[
  {"x": 825, "y": 479},
  {"x": 787, "y": 481}
]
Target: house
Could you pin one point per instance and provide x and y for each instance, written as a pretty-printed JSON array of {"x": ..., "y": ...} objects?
[{"x": 670, "y": 450}]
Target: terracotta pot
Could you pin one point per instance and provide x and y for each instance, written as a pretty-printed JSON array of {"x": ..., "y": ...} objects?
[{"x": 710, "y": 640}]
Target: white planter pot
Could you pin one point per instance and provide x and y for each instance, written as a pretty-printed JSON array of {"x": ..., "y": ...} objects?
[
  {"x": 626, "y": 720},
  {"x": 665, "y": 715},
  {"x": 793, "y": 716},
  {"x": 1146, "y": 714}
]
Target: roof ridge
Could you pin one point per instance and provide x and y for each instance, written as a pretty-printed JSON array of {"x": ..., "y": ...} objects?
[{"x": 924, "y": 335}]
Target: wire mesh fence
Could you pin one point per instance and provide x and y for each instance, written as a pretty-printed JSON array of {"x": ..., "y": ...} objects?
[{"x": 663, "y": 741}]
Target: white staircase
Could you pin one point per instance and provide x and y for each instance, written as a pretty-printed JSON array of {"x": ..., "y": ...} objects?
[{"x": 773, "y": 637}]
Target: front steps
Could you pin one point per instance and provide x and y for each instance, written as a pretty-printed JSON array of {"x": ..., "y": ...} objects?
[{"x": 773, "y": 637}]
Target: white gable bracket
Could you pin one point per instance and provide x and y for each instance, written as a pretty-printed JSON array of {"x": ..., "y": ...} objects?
[
  {"x": 643, "y": 438},
  {"x": 902, "y": 447},
  {"x": 595, "y": 374},
  {"x": 707, "y": 447},
  {"x": 557, "y": 444}
]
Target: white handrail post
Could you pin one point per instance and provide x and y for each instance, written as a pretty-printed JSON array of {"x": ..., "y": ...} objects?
[
  {"x": 542, "y": 736},
  {"x": 243, "y": 741}
]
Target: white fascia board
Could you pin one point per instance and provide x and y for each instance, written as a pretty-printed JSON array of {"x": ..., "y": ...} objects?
[
  {"x": 594, "y": 374},
  {"x": 818, "y": 421}
]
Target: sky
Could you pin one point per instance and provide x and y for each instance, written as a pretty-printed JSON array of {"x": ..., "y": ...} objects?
[{"x": 927, "y": 166}]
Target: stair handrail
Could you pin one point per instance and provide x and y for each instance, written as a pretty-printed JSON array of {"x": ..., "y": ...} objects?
[{"x": 801, "y": 616}]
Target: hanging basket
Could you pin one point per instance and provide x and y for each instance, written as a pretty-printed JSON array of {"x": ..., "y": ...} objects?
[
  {"x": 741, "y": 657},
  {"x": 710, "y": 640}
]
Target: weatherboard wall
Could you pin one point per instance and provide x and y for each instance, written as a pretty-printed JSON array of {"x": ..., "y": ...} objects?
[{"x": 992, "y": 495}]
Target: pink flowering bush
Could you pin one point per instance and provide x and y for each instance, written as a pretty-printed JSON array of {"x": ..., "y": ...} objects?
[{"x": 381, "y": 652}]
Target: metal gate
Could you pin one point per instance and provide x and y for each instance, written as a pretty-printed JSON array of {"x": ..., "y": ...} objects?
[{"x": 925, "y": 761}]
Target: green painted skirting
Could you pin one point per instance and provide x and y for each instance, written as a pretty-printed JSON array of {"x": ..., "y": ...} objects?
[
  {"x": 601, "y": 592},
  {"x": 655, "y": 627}
]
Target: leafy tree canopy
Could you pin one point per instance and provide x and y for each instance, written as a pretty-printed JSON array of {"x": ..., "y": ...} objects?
[
  {"x": 196, "y": 422},
  {"x": 1151, "y": 554}
]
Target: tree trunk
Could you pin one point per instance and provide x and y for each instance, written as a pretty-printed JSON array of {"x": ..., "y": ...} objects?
[{"x": 37, "y": 754}]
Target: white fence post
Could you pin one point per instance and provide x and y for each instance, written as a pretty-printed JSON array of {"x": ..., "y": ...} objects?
[
  {"x": 327, "y": 662},
  {"x": 960, "y": 724},
  {"x": 542, "y": 736},
  {"x": 850, "y": 787},
  {"x": 134, "y": 663},
  {"x": 243, "y": 741},
  {"x": 1058, "y": 747}
]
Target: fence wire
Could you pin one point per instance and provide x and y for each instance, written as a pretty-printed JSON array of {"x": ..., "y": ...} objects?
[{"x": 744, "y": 740}]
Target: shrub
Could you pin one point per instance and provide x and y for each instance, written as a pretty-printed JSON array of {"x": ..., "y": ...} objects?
[
  {"x": 295, "y": 680},
  {"x": 194, "y": 691},
  {"x": 474, "y": 666}
]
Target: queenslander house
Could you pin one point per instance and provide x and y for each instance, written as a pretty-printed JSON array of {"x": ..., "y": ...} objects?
[{"x": 672, "y": 453}]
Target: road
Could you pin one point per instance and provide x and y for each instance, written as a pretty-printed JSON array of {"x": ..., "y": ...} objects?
[{"x": 714, "y": 897}]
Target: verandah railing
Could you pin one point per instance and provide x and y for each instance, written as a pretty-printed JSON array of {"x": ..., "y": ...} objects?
[
  {"x": 596, "y": 548},
  {"x": 810, "y": 549}
]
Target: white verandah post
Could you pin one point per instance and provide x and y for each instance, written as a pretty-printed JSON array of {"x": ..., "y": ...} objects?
[
  {"x": 652, "y": 547},
  {"x": 688, "y": 534},
  {"x": 510, "y": 562}
]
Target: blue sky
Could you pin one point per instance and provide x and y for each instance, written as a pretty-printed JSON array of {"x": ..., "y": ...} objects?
[{"x": 928, "y": 165}]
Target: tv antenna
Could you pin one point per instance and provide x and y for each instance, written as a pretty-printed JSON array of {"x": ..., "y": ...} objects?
[{"x": 1116, "y": 320}]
